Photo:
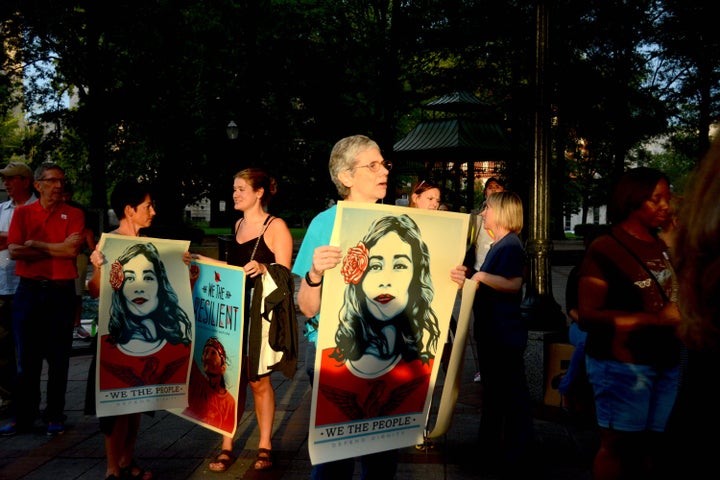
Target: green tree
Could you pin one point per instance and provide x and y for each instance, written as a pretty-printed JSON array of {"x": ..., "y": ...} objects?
[
  {"x": 602, "y": 93},
  {"x": 690, "y": 66},
  {"x": 156, "y": 82}
]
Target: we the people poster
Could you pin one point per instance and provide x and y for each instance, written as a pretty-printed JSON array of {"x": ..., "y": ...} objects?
[
  {"x": 145, "y": 325},
  {"x": 218, "y": 293},
  {"x": 384, "y": 319}
]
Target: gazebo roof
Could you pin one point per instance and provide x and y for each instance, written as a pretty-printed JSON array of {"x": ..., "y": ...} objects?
[
  {"x": 467, "y": 133},
  {"x": 452, "y": 137},
  {"x": 456, "y": 102}
]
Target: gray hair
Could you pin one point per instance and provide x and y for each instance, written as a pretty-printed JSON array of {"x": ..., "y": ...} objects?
[
  {"x": 343, "y": 157},
  {"x": 44, "y": 167}
]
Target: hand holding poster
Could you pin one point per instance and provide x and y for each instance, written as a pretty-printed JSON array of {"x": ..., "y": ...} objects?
[
  {"x": 145, "y": 325},
  {"x": 385, "y": 314},
  {"x": 219, "y": 300}
]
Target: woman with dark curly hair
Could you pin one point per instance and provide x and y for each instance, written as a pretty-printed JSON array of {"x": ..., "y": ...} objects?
[
  {"x": 388, "y": 332},
  {"x": 161, "y": 305},
  {"x": 146, "y": 323}
]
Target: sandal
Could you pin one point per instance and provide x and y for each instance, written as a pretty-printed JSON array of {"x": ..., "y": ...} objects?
[
  {"x": 425, "y": 446},
  {"x": 263, "y": 460},
  {"x": 224, "y": 463},
  {"x": 135, "y": 472}
]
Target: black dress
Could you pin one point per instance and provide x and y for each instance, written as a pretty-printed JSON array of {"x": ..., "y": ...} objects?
[{"x": 239, "y": 254}]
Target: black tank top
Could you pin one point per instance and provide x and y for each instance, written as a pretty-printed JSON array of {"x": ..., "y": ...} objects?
[{"x": 239, "y": 253}]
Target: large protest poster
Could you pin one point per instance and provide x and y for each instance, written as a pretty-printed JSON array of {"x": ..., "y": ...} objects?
[
  {"x": 219, "y": 303},
  {"x": 145, "y": 325},
  {"x": 385, "y": 316}
]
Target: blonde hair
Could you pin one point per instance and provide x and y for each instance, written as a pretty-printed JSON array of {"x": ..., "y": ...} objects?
[{"x": 508, "y": 210}]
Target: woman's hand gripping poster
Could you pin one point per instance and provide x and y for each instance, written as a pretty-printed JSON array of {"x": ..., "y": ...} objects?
[{"x": 384, "y": 318}]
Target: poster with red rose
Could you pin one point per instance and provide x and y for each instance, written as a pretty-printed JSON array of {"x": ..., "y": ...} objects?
[
  {"x": 145, "y": 325},
  {"x": 385, "y": 312}
]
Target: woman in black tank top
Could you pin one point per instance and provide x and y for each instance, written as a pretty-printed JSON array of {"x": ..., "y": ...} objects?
[{"x": 260, "y": 239}]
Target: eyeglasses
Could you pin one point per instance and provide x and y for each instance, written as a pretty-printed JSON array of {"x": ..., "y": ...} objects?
[
  {"x": 374, "y": 167},
  {"x": 61, "y": 181}
]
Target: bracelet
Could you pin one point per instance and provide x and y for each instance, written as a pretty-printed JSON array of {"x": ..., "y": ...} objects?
[{"x": 310, "y": 282}]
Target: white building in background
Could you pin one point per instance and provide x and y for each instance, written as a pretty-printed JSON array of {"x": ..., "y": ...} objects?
[
  {"x": 596, "y": 215},
  {"x": 200, "y": 211}
]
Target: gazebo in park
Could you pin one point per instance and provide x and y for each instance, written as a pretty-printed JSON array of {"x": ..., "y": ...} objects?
[{"x": 458, "y": 142}]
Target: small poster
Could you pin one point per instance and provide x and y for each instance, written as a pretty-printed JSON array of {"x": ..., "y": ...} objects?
[
  {"x": 145, "y": 325},
  {"x": 219, "y": 301}
]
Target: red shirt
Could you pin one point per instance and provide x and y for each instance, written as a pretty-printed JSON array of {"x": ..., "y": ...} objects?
[
  {"x": 33, "y": 222},
  {"x": 209, "y": 406},
  {"x": 343, "y": 397},
  {"x": 169, "y": 365}
]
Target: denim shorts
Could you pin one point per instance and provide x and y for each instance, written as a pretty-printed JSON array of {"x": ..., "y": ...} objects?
[{"x": 630, "y": 397}]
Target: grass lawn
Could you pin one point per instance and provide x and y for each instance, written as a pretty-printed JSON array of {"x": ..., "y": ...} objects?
[{"x": 216, "y": 230}]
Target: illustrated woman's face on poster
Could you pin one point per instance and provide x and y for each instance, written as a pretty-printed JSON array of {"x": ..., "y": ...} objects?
[
  {"x": 213, "y": 363},
  {"x": 141, "y": 286},
  {"x": 388, "y": 277}
]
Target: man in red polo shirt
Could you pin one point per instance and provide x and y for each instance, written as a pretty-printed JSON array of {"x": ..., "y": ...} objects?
[{"x": 44, "y": 240}]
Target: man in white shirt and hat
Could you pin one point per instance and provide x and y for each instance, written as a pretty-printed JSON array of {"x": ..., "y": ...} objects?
[{"x": 18, "y": 180}]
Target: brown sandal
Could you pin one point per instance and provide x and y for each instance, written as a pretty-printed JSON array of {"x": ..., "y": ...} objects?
[
  {"x": 263, "y": 460},
  {"x": 224, "y": 462},
  {"x": 135, "y": 472}
]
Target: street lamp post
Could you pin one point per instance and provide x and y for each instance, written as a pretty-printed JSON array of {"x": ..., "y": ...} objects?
[
  {"x": 232, "y": 130},
  {"x": 539, "y": 308},
  {"x": 218, "y": 216}
]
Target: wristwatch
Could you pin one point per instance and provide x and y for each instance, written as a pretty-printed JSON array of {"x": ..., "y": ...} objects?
[{"x": 310, "y": 282}]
